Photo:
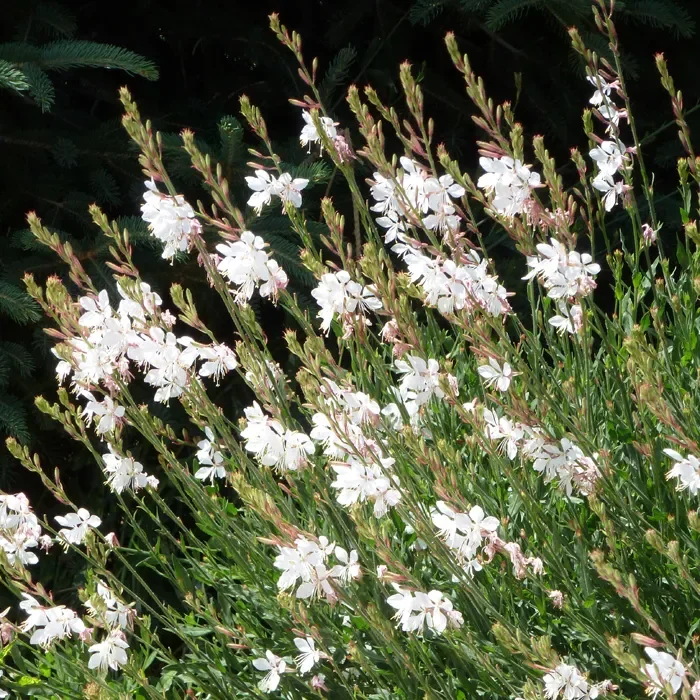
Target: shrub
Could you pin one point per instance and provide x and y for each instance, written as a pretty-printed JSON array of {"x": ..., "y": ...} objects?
[{"x": 449, "y": 498}]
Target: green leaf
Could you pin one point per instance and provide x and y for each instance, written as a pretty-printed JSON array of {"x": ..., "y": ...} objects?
[
  {"x": 65, "y": 152},
  {"x": 62, "y": 55},
  {"x": 18, "y": 357},
  {"x": 17, "y": 304},
  {"x": 40, "y": 87},
  {"x": 337, "y": 73},
  {"x": 12, "y": 77}
]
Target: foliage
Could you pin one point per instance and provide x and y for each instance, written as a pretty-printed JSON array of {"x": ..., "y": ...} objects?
[{"x": 535, "y": 472}]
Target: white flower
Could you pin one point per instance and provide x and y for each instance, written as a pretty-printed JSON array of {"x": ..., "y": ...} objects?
[
  {"x": 49, "y": 624},
  {"x": 110, "y": 653},
  {"x": 275, "y": 666},
  {"x": 612, "y": 115},
  {"x": 402, "y": 602},
  {"x": 309, "y": 656},
  {"x": 414, "y": 610},
  {"x": 608, "y": 156},
  {"x": 75, "y": 526},
  {"x": 440, "y": 191},
  {"x": 210, "y": 459},
  {"x": 109, "y": 609},
  {"x": 493, "y": 373},
  {"x": 569, "y": 319},
  {"x": 170, "y": 219},
  {"x": 17, "y": 546},
  {"x": 611, "y": 189},
  {"x": 309, "y": 134},
  {"x": 220, "y": 359},
  {"x": 110, "y": 414},
  {"x": 565, "y": 274},
  {"x": 337, "y": 294},
  {"x": 123, "y": 472},
  {"x": 97, "y": 310},
  {"x": 142, "y": 303},
  {"x": 506, "y": 431},
  {"x": 20, "y": 530},
  {"x": 275, "y": 280},
  {"x": 289, "y": 190},
  {"x": 510, "y": 182},
  {"x": 421, "y": 379},
  {"x": 649, "y": 234},
  {"x": 566, "y": 682},
  {"x": 247, "y": 265},
  {"x": 348, "y": 569},
  {"x": 602, "y": 89},
  {"x": 686, "y": 470},
  {"x": 394, "y": 225},
  {"x": 358, "y": 482},
  {"x": 264, "y": 186},
  {"x": 463, "y": 532},
  {"x": 663, "y": 670}
]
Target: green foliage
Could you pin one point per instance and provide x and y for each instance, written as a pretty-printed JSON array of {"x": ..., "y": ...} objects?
[
  {"x": 17, "y": 304},
  {"x": 32, "y": 61},
  {"x": 337, "y": 73},
  {"x": 589, "y": 552}
]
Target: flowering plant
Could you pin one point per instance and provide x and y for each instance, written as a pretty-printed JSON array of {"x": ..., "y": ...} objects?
[{"x": 448, "y": 499}]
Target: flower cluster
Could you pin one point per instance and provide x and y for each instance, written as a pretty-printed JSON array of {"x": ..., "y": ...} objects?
[
  {"x": 246, "y": 264},
  {"x": 305, "y": 564},
  {"x": 20, "y": 531},
  {"x": 466, "y": 533},
  {"x": 416, "y": 610},
  {"x": 509, "y": 182},
  {"x": 463, "y": 532},
  {"x": 339, "y": 427},
  {"x": 338, "y": 295},
  {"x": 370, "y": 480},
  {"x": 170, "y": 219},
  {"x": 210, "y": 459},
  {"x": 609, "y": 156},
  {"x": 565, "y": 274},
  {"x": 265, "y": 186},
  {"x": 567, "y": 682},
  {"x": 272, "y": 445},
  {"x": 421, "y": 381},
  {"x": 563, "y": 460},
  {"x": 117, "y": 336},
  {"x": 76, "y": 526},
  {"x": 48, "y": 624},
  {"x": 108, "y": 610},
  {"x": 125, "y": 472},
  {"x": 453, "y": 287},
  {"x": 410, "y": 195}
]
